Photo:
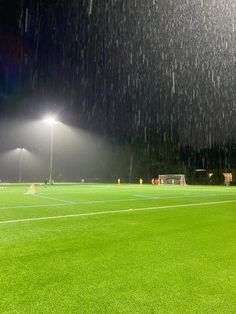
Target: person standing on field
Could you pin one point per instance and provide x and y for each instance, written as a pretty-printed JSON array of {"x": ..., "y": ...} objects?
[{"x": 45, "y": 182}]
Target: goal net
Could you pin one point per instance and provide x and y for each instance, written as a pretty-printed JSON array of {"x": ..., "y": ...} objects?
[{"x": 177, "y": 179}]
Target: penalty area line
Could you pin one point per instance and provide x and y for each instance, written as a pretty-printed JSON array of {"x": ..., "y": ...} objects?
[{"x": 111, "y": 212}]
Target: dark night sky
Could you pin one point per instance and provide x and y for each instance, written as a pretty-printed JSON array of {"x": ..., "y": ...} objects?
[{"x": 126, "y": 69}]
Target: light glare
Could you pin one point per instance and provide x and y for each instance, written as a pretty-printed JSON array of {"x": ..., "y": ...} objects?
[{"x": 50, "y": 120}]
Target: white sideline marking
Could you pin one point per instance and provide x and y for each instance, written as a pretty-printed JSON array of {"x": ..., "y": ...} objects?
[{"x": 112, "y": 212}]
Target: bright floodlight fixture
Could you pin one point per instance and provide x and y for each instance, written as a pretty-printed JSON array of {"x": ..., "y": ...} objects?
[{"x": 50, "y": 120}]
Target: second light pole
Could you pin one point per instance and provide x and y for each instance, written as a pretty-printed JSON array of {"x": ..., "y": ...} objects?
[
  {"x": 51, "y": 121},
  {"x": 20, "y": 149}
]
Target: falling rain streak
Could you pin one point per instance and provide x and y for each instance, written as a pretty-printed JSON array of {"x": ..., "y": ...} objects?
[{"x": 90, "y": 7}]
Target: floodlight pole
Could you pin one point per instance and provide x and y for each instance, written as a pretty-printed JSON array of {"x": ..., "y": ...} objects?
[
  {"x": 20, "y": 164},
  {"x": 51, "y": 121},
  {"x": 51, "y": 153}
]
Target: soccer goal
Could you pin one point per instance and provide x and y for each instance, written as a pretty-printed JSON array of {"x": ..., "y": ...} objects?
[{"x": 176, "y": 179}]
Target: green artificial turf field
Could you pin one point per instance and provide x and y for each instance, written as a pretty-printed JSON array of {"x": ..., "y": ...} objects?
[{"x": 118, "y": 249}]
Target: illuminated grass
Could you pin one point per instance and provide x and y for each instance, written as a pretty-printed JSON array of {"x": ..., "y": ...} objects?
[{"x": 162, "y": 260}]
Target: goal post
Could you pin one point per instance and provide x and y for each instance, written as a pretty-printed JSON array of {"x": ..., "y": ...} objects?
[{"x": 175, "y": 179}]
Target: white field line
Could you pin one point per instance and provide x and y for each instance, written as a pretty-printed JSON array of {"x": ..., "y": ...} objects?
[
  {"x": 67, "y": 203},
  {"x": 146, "y": 196},
  {"x": 53, "y": 199},
  {"x": 111, "y": 212},
  {"x": 183, "y": 196},
  {"x": 99, "y": 201},
  {"x": 140, "y": 196},
  {"x": 33, "y": 206}
]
